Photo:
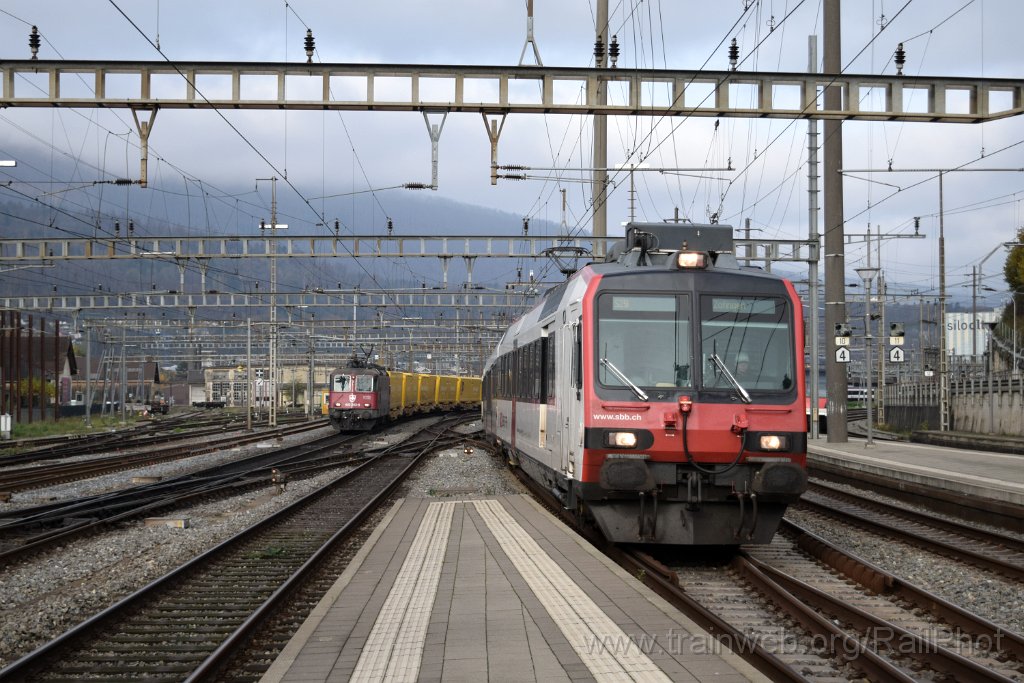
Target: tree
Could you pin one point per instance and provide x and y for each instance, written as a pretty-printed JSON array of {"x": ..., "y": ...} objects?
[{"x": 1013, "y": 270}]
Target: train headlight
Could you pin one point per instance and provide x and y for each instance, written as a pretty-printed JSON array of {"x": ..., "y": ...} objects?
[
  {"x": 620, "y": 439},
  {"x": 691, "y": 259},
  {"x": 774, "y": 442}
]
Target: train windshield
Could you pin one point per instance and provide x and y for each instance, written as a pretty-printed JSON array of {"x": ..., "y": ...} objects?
[
  {"x": 646, "y": 337},
  {"x": 364, "y": 382},
  {"x": 753, "y": 338},
  {"x": 342, "y": 383}
]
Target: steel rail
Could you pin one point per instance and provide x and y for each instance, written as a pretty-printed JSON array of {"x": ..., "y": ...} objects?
[
  {"x": 172, "y": 582},
  {"x": 882, "y": 582},
  {"x": 944, "y": 548},
  {"x": 926, "y": 653}
]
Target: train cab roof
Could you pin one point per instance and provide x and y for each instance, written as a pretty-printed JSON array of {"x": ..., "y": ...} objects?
[{"x": 656, "y": 244}]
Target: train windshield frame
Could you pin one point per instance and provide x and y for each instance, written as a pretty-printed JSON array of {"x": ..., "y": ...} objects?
[
  {"x": 647, "y": 337},
  {"x": 753, "y": 337}
]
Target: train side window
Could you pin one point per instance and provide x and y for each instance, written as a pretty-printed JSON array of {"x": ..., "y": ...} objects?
[
  {"x": 577, "y": 358},
  {"x": 547, "y": 368},
  {"x": 552, "y": 365},
  {"x": 538, "y": 371}
]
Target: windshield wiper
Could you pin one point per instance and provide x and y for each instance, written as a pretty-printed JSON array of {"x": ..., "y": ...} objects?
[
  {"x": 625, "y": 380},
  {"x": 732, "y": 380}
]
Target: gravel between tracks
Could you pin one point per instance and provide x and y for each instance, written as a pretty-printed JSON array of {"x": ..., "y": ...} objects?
[
  {"x": 43, "y": 596},
  {"x": 993, "y": 597}
]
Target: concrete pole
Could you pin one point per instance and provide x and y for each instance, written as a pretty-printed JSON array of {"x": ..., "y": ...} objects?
[
  {"x": 867, "y": 350},
  {"x": 882, "y": 335},
  {"x": 600, "y": 224},
  {"x": 248, "y": 374},
  {"x": 124, "y": 375},
  {"x": 974, "y": 312},
  {"x": 812, "y": 235},
  {"x": 943, "y": 360},
  {"x": 88, "y": 377},
  {"x": 272, "y": 410},
  {"x": 991, "y": 391},
  {"x": 835, "y": 260},
  {"x": 309, "y": 380}
]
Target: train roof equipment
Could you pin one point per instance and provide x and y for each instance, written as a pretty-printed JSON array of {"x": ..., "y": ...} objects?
[{"x": 679, "y": 244}]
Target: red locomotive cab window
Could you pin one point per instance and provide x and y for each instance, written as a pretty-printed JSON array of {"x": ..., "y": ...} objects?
[
  {"x": 364, "y": 383},
  {"x": 341, "y": 383},
  {"x": 750, "y": 337},
  {"x": 646, "y": 338}
]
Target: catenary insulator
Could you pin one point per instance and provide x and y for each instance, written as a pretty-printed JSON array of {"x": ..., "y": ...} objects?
[
  {"x": 131, "y": 227},
  {"x": 337, "y": 227},
  {"x": 310, "y": 45},
  {"x": 33, "y": 42},
  {"x": 599, "y": 52},
  {"x": 734, "y": 54},
  {"x": 391, "y": 226},
  {"x": 901, "y": 59},
  {"x": 117, "y": 228},
  {"x": 613, "y": 51},
  {"x": 526, "y": 226}
]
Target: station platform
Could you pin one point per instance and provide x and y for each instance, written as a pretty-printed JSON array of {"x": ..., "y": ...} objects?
[
  {"x": 494, "y": 590},
  {"x": 994, "y": 476}
]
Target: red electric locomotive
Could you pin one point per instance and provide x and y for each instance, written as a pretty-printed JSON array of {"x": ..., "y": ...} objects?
[
  {"x": 660, "y": 394},
  {"x": 360, "y": 396}
]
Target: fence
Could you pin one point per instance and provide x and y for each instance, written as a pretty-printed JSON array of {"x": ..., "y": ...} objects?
[{"x": 974, "y": 404}]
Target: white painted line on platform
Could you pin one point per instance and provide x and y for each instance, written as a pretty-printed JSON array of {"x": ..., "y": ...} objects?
[
  {"x": 933, "y": 471},
  {"x": 924, "y": 447},
  {"x": 599, "y": 642},
  {"x": 394, "y": 648}
]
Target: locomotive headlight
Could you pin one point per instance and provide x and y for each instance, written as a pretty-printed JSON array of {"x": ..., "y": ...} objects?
[
  {"x": 774, "y": 442},
  {"x": 692, "y": 259},
  {"x": 620, "y": 439}
]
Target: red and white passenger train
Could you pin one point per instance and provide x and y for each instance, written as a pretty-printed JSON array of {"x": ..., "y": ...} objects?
[{"x": 660, "y": 394}]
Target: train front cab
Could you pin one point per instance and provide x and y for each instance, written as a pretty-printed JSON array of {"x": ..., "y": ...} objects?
[
  {"x": 718, "y": 447},
  {"x": 654, "y": 442},
  {"x": 358, "y": 398}
]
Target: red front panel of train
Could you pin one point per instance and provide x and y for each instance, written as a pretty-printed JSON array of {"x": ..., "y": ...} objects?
[
  {"x": 354, "y": 400},
  {"x": 704, "y": 371}
]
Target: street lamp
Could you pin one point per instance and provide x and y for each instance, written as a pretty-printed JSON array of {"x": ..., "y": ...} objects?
[
  {"x": 1013, "y": 327},
  {"x": 868, "y": 274},
  {"x": 991, "y": 394}
]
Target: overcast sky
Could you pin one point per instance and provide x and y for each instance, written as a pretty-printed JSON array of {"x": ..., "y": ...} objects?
[{"x": 332, "y": 153}]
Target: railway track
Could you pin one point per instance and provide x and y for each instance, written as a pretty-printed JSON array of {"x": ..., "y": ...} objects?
[
  {"x": 190, "y": 623},
  {"x": 803, "y": 609},
  {"x": 23, "y": 478},
  {"x": 162, "y": 430},
  {"x": 996, "y": 552},
  {"x": 32, "y": 530}
]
